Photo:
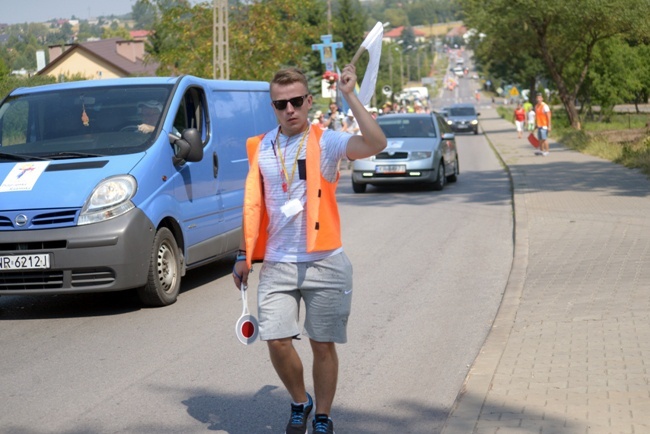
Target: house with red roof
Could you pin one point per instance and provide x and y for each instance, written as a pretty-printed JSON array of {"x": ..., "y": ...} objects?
[
  {"x": 140, "y": 35},
  {"x": 395, "y": 34}
]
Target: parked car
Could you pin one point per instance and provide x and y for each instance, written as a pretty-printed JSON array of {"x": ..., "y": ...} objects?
[
  {"x": 421, "y": 149},
  {"x": 463, "y": 118}
]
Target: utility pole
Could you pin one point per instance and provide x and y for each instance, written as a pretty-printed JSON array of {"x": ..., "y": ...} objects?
[{"x": 220, "y": 52}]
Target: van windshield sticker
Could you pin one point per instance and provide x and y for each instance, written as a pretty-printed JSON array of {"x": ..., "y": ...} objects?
[{"x": 23, "y": 176}]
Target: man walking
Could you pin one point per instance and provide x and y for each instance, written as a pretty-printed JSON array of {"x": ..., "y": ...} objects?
[
  {"x": 291, "y": 222},
  {"x": 335, "y": 119},
  {"x": 543, "y": 122}
]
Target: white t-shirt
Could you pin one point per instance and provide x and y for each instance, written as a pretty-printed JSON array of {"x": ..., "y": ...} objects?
[
  {"x": 531, "y": 116},
  {"x": 287, "y": 241}
]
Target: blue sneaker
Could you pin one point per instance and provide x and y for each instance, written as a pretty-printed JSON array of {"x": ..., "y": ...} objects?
[
  {"x": 299, "y": 414},
  {"x": 322, "y": 424}
]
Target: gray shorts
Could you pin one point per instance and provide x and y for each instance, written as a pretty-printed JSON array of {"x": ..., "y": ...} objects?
[{"x": 324, "y": 285}]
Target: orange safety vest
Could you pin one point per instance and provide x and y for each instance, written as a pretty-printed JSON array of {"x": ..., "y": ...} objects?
[
  {"x": 323, "y": 221},
  {"x": 541, "y": 114}
]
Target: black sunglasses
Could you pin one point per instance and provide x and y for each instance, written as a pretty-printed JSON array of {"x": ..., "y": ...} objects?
[{"x": 296, "y": 102}]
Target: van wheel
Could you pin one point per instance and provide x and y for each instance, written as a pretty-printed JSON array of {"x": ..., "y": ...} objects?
[
  {"x": 358, "y": 187},
  {"x": 439, "y": 183},
  {"x": 164, "y": 279}
]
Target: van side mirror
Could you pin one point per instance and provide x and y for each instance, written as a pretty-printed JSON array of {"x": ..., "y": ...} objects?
[{"x": 189, "y": 147}]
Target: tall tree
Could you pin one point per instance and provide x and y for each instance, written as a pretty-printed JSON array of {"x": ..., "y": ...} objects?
[
  {"x": 270, "y": 34},
  {"x": 349, "y": 27},
  {"x": 182, "y": 40},
  {"x": 144, "y": 14},
  {"x": 562, "y": 33},
  {"x": 263, "y": 36}
]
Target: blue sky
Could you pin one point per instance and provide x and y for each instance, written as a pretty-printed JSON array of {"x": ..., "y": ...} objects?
[{"x": 21, "y": 11}]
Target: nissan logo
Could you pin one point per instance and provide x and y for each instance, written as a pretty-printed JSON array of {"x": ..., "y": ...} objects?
[{"x": 21, "y": 220}]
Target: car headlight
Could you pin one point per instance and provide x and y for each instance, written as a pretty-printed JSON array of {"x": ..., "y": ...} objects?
[
  {"x": 420, "y": 155},
  {"x": 474, "y": 122},
  {"x": 449, "y": 122},
  {"x": 111, "y": 198}
]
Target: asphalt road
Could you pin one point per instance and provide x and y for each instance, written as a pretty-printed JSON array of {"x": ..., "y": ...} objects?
[{"x": 429, "y": 271}]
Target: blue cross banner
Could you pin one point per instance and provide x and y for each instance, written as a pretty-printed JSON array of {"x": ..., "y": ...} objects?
[{"x": 327, "y": 51}]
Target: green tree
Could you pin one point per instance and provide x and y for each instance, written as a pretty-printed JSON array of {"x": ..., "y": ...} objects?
[
  {"x": 562, "y": 33},
  {"x": 87, "y": 31},
  {"x": 182, "y": 40},
  {"x": 4, "y": 69},
  {"x": 349, "y": 26},
  {"x": 275, "y": 33},
  {"x": 144, "y": 14},
  {"x": 263, "y": 37},
  {"x": 608, "y": 84}
]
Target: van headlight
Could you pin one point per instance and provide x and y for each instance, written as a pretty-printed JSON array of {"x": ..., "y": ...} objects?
[
  {"x": 420, "y": 155},
  {"x": 474, "y": 122},
  {"x": 111, "y": 198}
]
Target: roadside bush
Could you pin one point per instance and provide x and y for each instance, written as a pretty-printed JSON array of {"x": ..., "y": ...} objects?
[{"x": 636, "y": 155}]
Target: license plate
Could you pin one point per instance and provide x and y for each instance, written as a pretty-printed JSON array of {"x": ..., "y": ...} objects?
[
  {"x": 391, "y": 168},
  {"x": 24, "y": 262}
]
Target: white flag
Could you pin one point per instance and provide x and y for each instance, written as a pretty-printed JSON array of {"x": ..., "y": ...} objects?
[{"x": 372, "y": 43}]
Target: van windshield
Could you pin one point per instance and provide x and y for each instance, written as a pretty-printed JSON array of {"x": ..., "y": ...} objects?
[{"x": 86, "y": 122}]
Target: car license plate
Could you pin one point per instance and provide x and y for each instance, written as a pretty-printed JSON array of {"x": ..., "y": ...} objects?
[
  {"x": 391, "y": 168},
  {"x": 24, "y": 262}
]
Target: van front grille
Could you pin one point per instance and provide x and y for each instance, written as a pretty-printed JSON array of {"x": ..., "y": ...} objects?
[
  {"x": 55, "y": 279},
  {"x": 38, "y": 219},
  {"x": 29, "y": 280}
]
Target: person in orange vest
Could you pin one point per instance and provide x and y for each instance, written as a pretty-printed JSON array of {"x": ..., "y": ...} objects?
[
  {"x": 543, "y": 122},
  {"x": 291, "y": 223}
]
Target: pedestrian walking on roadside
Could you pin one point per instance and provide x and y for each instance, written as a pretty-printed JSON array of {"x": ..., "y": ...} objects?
[
  {"x": 350, "y": 124},
  {"x": 335, "y": 119},
  {"x": 520, "y": 119},
  {"x": 531, "y": 119},
  {"x": 543, "y": 123},
  {"x": 291, "y": 223}
]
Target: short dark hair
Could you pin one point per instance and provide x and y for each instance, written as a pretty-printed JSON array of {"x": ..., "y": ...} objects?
[{"x": 289, "y": 76}]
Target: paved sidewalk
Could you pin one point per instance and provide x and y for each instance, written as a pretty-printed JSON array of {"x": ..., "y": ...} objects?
[{"x": 569, "y": 351}]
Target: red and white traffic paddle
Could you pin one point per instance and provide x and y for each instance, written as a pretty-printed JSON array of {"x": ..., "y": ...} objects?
[{"x": 247, "y": 326}]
